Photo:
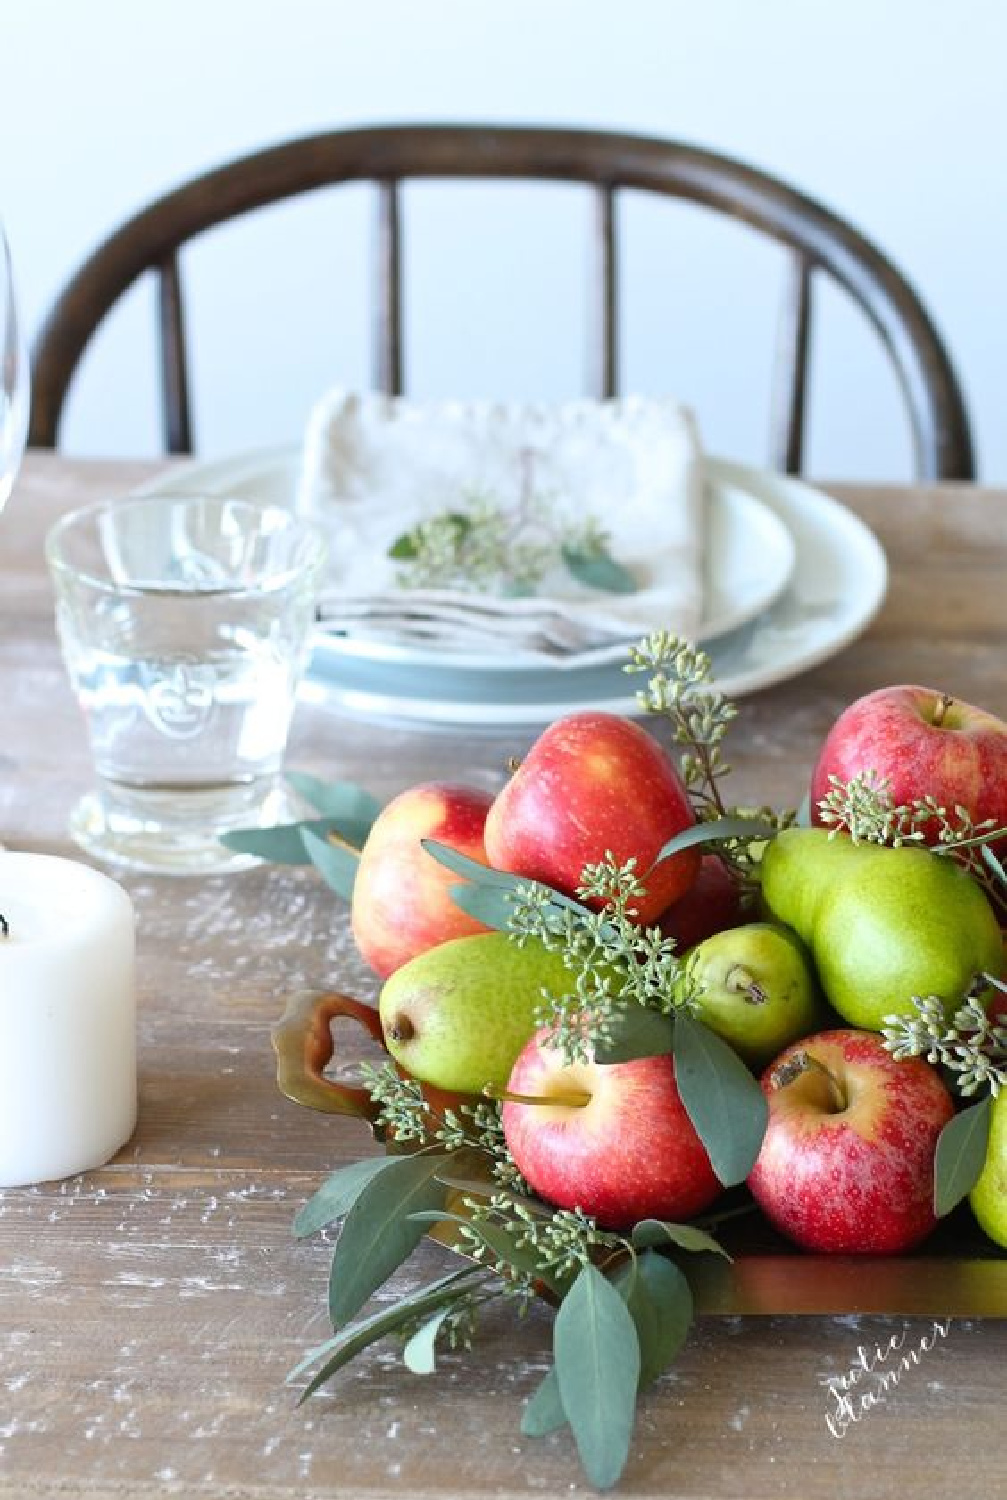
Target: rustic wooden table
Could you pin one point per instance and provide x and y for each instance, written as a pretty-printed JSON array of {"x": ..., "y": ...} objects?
[{"x": 149, "y": 1312}]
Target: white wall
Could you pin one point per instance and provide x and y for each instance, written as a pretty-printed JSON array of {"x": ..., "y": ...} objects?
[{"x": 892, "y": 111}]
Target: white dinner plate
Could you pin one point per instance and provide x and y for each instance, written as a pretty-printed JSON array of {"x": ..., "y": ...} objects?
[{"x": 836, "y": 585}]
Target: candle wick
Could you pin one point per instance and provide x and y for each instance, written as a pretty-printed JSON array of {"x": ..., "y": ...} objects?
[{"x": 4, "y": 926}]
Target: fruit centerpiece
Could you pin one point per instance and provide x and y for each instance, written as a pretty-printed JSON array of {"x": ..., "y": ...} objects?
[{"x": 620, "y": 1012}]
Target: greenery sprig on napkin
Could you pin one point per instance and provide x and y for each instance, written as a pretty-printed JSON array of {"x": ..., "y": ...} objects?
[{"x": 482, "y": 546}]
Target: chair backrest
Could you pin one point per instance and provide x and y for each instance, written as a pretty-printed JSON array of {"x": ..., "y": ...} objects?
[{"x": 820, "y": 242}]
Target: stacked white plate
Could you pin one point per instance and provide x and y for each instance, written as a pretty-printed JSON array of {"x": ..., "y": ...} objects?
[{"x": 792, "y": 578}]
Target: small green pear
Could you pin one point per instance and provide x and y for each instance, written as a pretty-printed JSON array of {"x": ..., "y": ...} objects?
[
  {"x": 757, "y": 989},
  {"x": 458, "y": 1015},
  {"x": 989, "y": 1196},
  {"x": 882, "y": 924}
]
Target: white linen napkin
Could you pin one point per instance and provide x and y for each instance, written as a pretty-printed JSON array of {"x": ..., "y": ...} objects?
[{"x": 374, "y": 466}]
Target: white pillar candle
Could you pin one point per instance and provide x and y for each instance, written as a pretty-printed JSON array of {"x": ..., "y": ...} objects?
[{"x": 67, "y": 1018}]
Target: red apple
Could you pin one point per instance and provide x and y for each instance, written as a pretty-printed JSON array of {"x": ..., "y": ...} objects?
[
  {"x": 616, "y": 1143},
  {"x": 926, "y": 744},
  {"x": 401, "y": 901},
  {"x": 847, "y": 1163},
  {"x": 711, "y": 904},
  {"x": 593, "y": 784}
]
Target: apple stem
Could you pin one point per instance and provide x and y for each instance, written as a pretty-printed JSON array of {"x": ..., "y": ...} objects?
[
  {"x": 944, "y": 703},
  {"x": 401, "y": 1029},
  {"x": 803, "y": 1062},
  {"x": 4, "y": 926},
  {"x": 513, "y": 763},
  {"x": 569, "y": 1098}
]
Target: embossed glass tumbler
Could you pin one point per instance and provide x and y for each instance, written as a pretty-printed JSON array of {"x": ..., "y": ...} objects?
[{"x": 185, "y": 624}]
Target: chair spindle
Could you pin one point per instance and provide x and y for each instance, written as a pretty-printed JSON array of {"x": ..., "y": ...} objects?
[
  {"x": 176, "y": 415},
  {"x": 791, "y": 373},
  {"x": 388, "y": 323},
  {"x": 605, "y": 373}
]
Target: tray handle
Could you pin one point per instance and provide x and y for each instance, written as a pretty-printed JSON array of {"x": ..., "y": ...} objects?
[{"x": 303, "y": 1043}]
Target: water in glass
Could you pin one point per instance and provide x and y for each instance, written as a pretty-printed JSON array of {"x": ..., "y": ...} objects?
[{"x": 185, "y": 627}]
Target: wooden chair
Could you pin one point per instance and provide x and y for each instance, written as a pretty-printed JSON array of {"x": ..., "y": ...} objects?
[{"x": 820, "y": 242}]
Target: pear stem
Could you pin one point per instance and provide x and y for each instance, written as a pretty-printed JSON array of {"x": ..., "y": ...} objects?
[
  {"x": 568, "y": 1098},
  {"x": 943, "y": 704},
  {"x": 803, "y": 1062},
  {"x": 743, "y": 983}
]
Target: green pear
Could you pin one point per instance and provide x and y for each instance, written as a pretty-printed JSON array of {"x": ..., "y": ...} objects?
[
  {"x": 757, "y": 989},
  {"x": 882, "y": 924},
  {"x": 458, "y": 1015},
  {"x": 989, "y": 1196}
]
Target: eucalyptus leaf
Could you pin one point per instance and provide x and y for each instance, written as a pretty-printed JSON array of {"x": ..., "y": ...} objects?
[
  {"x": 660, "y": 1303},
  {"x": 420, "y": 1353},
  {"x": 597, "y": 569},
  {"x": 281, "y": 844},
  {"x": 491, "y": 905},
  {"x": 485, "y": 875},
  {"x": 961, "y": 1155},
  {"x": 802, "y": 818},
  {"x": 544, "y": 1412},
  {"x": 378, "y": 1234},
  {"x": 597, "y": 1355},
  {"x": 336, "y": 863},
  {"x": 993, "y": 863},
  {"x": 752, "y": 830},
  {"x": 405, "y": 548},
  {"x": 351, "y": 1341},
  {"x": 353, "y": 810},
  {"x": 651, "y": 1232},
  {"x": 635, "y": 1031},
  {"x": 471, "y": 869},
  {"x": 722, "y": 1099},
  {"x": 489, "y": 894},
  {"x": 338, "y": 1194}
]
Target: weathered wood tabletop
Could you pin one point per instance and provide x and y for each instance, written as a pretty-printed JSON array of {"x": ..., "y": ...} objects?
[{"x": 149, "y": 1312}]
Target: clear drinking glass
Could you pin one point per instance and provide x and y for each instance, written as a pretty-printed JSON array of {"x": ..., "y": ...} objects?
[
  {"x": 13, "y": 379},
  {"x": 184, "y": 622}
]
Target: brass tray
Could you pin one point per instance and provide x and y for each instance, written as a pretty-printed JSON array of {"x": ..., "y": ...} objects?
[{"x": 956, "y": 1273}]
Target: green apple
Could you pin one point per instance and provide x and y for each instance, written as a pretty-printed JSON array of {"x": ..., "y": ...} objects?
[
  {"x": 756, "y": 989},
  {"x": 458, "y": 1015},
  {"x": 989, "y": 1196}
]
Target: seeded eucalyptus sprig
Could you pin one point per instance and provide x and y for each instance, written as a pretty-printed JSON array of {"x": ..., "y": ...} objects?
[
  {"x": 971, "y": 1045},
  {"x": 865, "y": 808},
  {"x": 679, "y": 690},
  {"x": 614, "y": 962},
  {"x": 481, "y": 545}
]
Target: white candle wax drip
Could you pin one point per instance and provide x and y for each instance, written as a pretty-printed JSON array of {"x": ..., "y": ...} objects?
[{"x": 67, "y": 1018}]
